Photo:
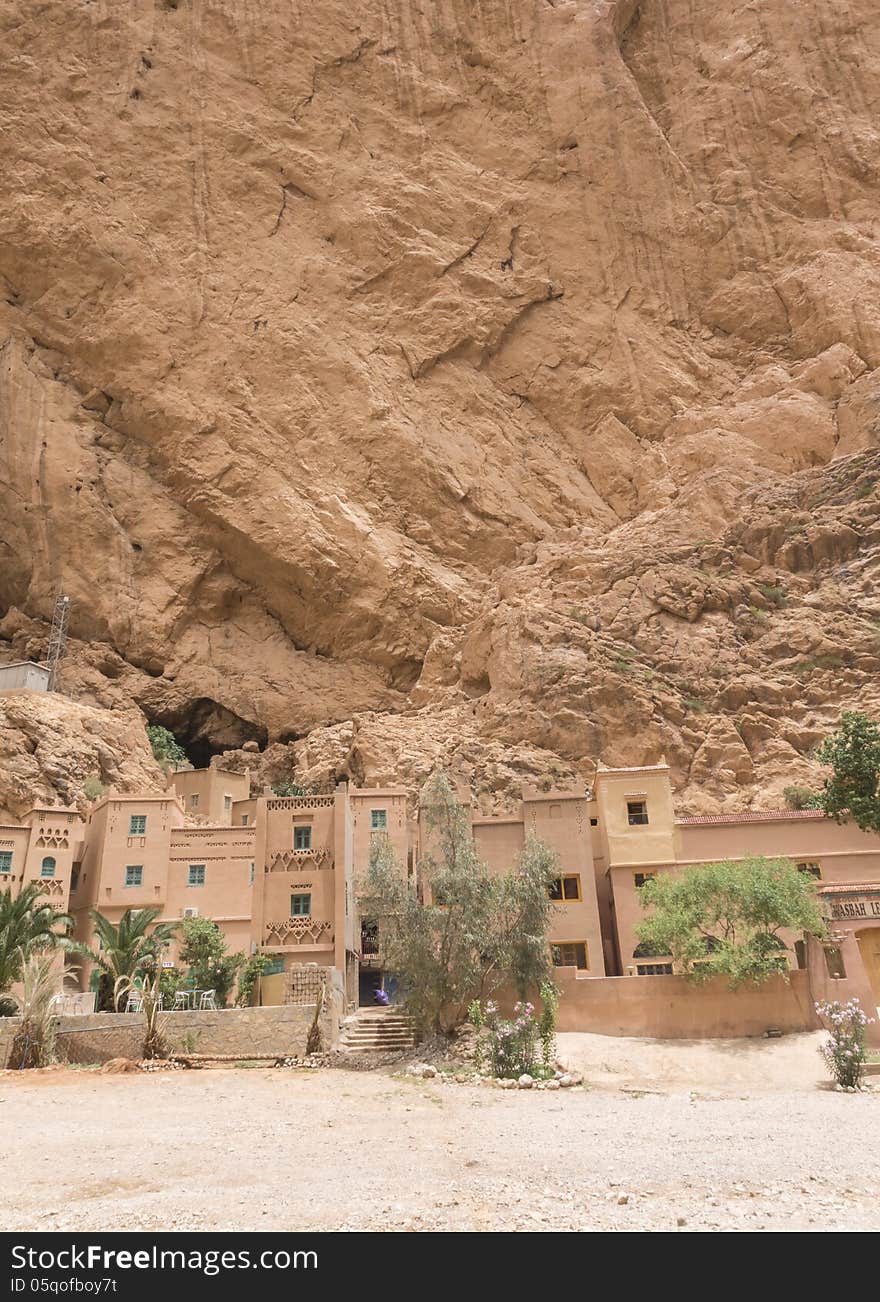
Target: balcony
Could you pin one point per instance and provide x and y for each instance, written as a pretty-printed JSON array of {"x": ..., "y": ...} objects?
[
  {"x": 291, "y": 861},
  {"x": 286, "y": 933}
]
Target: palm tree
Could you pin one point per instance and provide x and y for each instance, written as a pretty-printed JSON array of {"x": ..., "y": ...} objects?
[
  {"x": 123, "y": 949},
  {"x": 28, "y": 925}
]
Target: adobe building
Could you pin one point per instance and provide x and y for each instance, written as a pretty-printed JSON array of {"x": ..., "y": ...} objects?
[
  {"x": 639, "y": 837},
  {"x": 279, "y": 875},
  {"x": 562, "y": 820},
  {"x": 42, "y": 848}
]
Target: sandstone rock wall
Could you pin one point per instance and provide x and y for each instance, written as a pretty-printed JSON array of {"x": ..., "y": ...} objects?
[{"x": 490, "y": 384}]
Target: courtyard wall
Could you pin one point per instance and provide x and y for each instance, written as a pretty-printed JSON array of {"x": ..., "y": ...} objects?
[
  {"x": 672, "y": 1008},
  {"x": 244, "y": 1032}
]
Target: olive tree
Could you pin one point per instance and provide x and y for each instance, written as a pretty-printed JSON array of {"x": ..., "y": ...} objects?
[
  {"x": 725, "y": 919},
  {"x": 461, "y": 930}
]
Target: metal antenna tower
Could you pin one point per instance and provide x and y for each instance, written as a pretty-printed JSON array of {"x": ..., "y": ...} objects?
[{"x": 57, "y": 639}]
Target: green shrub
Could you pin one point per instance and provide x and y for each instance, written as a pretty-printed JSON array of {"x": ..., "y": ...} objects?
[
  {"x": 248, "y": 977},
  {"x": 774, "y": 593},
  {"x": 291, "y": 789},
  {"x": 547, "y": 1023},
  {"x": 165, "y": 746},
  {"x": 93, "y": 788},
  {"x": 800, "y": 798}
]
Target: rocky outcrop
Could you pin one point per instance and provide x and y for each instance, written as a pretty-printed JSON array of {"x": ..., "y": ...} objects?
[
  {"x": 498, "y": 388},
  {"x": 50, "y": 747}
]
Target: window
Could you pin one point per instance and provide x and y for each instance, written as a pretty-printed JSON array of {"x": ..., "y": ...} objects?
[
  {"x": 251, "y": 876},
  {"x": 301, "y": 905},
  {"x": 378, "y": 820},
  {"x": 636, "y": 813},
  {"x": 566, "y": 888},
  {"x": 644, "y": 950},
  {"x": 641, "y": 878},
  {"x": 194, "y": 802},
  {"x": 137, "y": 825},
  {"x": 800, "y": 952},
  {"x": 227, "y": 802},
  {"x": 835, "y": 964},
  {"x": 811, "y": 869},
  {"x": 302, "y": 837},
  {"x": 654, "y": 969},
  {"x": 196, "y": 875},
  {"x": 245, "y": 819},
  {"x": 569, "y": 953},
  {"x": 134, "y": 875},
  {"x": 5, "y": 861},
  {"x": 594, "y": 822},
  {"x": 74, "y": 879},
  {"x": 47, "y": 867}
]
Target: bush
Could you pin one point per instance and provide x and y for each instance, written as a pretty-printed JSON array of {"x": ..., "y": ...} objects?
[
  {"x": 248, "y": 977},
  {"x": 34, "y": 1042},
  {"x": 93, "y": 787},
  {"x": 291, "y": 789},
  {"x": 846, "y": 1052},
  {"x": 166, "y": 748},
  {"x": 773, "y": 593},
  {"x": 512, "y": 1042},
  {"x": 547, "y": 1022},
  {"x": 800, "y": 798}
]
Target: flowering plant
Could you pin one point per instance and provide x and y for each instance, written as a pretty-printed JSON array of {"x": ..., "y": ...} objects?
[
  {"x": 512, "y": 1041},
  {"x": 845, "y": 1053}
]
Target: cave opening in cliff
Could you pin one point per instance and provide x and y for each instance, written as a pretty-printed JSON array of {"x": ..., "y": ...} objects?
[{"x": 204, "y": 728}]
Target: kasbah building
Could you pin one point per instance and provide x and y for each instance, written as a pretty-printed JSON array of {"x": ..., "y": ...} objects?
[{"x": 279, "y": 876}]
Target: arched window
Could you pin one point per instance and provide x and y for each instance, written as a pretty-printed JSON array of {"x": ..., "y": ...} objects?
[
  {"x": 48, "y": 867},
  {"x": 648, "y": 951}
]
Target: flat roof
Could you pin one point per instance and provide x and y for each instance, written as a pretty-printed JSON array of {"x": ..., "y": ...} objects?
[
  {"x": 210, "y": 768},
  {"x": 603, "y": 770}
]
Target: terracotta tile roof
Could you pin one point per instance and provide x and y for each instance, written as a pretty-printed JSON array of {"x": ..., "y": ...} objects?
[
  {"x": 749, "y": 816},
  {"x": 848, "y": 888}
]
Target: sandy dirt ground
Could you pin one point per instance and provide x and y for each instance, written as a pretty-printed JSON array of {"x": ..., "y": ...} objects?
[{"x": 744, "y": 1136}]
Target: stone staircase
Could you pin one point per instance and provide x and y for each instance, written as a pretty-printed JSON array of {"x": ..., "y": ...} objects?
[{"x": 377, "y": 1030}]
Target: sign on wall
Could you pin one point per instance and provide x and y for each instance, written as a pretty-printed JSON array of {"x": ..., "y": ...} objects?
[{"x": 853, "y": 905}]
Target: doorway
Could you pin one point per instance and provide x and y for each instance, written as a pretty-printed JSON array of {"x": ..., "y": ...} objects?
[
  {"x": 869, "y": 948},
  {"x": 369, "y": 981}
]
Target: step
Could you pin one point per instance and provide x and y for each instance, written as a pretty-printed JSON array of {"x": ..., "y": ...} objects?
[
  {"x": 392, "y": 1041},
  {"x": 378, "y": 1039},
  {"x": 378, "y": 1044}
]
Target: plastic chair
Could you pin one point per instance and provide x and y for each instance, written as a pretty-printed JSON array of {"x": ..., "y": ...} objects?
[{"x": 208, "y": 1000}]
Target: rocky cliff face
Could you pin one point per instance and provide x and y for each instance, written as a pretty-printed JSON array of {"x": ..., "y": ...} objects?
[{"x": 490, "y": 384}]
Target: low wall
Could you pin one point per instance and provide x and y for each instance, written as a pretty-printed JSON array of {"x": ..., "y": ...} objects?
[
  {"x": 671, "y": 1007},
  {"x": 97, "y": 1037}
]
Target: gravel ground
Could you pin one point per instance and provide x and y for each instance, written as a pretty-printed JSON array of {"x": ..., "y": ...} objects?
[{"x": 330, "y": 1150}]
